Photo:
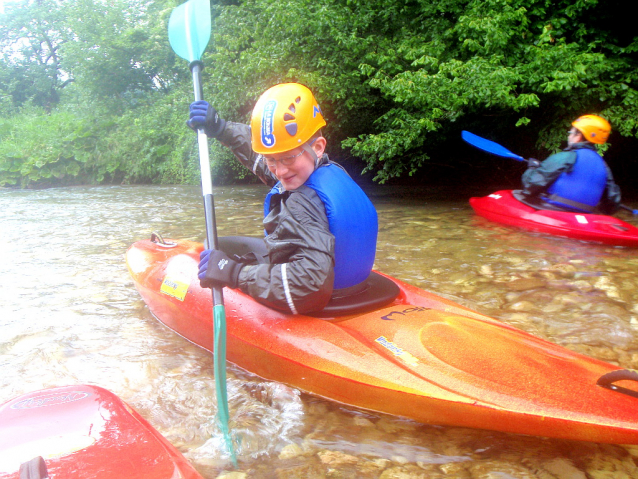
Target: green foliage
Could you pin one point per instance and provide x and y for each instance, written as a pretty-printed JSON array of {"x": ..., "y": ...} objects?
[
  {"x": 91, "y": 91},
  {"x": 119, "y": 47},
  {"x": 44, "y": 150},
  {"x": 113, "y": 50},
  {"x": 260, "y": 43},
  {"x": 153, "y": 145},
  {"x": 149, "y": 144},
  {"x": 30, "y": 39},
  {"x": 533, "y": 63}
]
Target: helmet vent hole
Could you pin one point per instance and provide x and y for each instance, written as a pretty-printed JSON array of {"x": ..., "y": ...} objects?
[
  {"x": 288, "y": 117},
  {"x": 292, "y": 108},
  {"x": 291, "y": 128},
  {"x": 298, "y": 99}
]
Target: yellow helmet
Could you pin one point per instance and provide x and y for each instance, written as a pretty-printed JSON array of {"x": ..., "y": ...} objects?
[
  {"x": 285, "y": 117},
  {"x": 593, "y": 128}
]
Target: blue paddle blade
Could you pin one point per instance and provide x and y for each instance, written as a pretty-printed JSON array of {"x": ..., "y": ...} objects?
[
  {"x": 189, "y": 29},
  {"x": 489, "y": 146}
]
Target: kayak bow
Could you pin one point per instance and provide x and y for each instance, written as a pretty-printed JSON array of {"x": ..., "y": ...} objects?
[{"x": 83, "y": 432}]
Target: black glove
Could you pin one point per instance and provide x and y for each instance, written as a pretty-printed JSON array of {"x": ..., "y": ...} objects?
[
  {"x": 533, "y": 163},
  {"x": 202, "y": 115},
  {"x": 217, "y": 269}
]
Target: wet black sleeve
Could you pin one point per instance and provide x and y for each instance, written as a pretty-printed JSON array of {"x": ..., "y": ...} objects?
[{"x": 300, "y": 275}]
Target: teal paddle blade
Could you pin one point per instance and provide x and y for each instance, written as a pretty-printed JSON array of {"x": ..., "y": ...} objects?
[
  {"x": 188, "y": 34},
  {"x": 219, "y": 319},
  {"x": 189, "y": 29}
]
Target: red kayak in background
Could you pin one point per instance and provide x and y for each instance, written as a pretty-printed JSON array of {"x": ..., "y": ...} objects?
[
  {"x": 503, "y": 207},
  {"x": 83, "y": 432}
]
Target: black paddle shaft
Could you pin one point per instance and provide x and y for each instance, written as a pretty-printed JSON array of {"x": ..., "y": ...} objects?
[{"x": 209, "y": 205}]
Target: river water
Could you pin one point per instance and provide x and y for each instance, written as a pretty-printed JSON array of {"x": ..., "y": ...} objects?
[{"x": 69, "y": 314}]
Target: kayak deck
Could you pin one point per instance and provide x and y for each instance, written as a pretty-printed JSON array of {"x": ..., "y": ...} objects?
[
  {"x": 84, "y": 432},
  {"x": 503, "y": 207},
  {"x": 421, "y": 356}
]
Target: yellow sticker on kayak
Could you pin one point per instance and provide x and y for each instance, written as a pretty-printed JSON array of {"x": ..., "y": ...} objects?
[
  {"x": 397, "y": 351},
  {"x": 174, "y": 288}
]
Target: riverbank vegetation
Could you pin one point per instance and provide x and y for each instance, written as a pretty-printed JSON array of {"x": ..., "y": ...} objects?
[{"x": 91, "y": 92}]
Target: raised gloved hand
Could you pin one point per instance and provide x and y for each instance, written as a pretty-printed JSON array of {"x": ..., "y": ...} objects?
[
  {"x": 202, "y": 115},
  {"x": 533, "y": 163},
  {"x": 217, "y": 269}
]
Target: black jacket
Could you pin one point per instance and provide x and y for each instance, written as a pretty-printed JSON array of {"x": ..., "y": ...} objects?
[
  {"x": 536, "y": 180},
  {"x": 300, "y": 273}
]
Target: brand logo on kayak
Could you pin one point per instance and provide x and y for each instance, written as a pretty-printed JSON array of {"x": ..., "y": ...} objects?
[
  {"x": 495, "y": 196},
  {"x": 176, "y": 289},
  {"x": 397, "y": 351},
  {"x": 50, "y": 400},
  {"x": 388, "y": 317}
]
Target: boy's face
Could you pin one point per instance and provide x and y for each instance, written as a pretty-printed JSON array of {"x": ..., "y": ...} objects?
[
  {"x": 574, "y": 136},
  {"x": 292, "y": 168}
]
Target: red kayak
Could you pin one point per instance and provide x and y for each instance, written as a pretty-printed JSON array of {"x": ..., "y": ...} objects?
[
  {"x": 400, "y": 350},
  {"x": 503, "y": 207},
  {"x": 83, "y": 432}
]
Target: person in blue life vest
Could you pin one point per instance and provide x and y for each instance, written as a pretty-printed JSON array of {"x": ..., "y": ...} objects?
[
  {"x": 576, "y": 179},
  {"x": 321, "y": 228}
]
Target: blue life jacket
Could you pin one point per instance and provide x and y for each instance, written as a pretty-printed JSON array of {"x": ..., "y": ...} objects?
[
  {"x": 581, "y": 188},
  {"x": 352, "y": 220}
]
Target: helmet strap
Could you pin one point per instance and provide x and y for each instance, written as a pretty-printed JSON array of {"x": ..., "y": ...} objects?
[{"x": 308, "y": 148}]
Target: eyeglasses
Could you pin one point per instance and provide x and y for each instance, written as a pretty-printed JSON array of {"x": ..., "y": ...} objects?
[{"x": 285, "y": 161}]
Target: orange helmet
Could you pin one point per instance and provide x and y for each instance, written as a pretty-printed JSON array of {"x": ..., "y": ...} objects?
[
  {"x": 285, "y": 117},
  {"x": 593, "y": 128}
]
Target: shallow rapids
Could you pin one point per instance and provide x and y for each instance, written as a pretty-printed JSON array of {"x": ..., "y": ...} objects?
[{"x": 69, "y": 314}]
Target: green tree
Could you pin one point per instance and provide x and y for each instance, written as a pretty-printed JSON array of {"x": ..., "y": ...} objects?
[
  {"x": 523, "y": 62},
  {"x": 111, "y": 63},
  {"x": 259, "y": 43},
  {"x": 114, "y": 49},
  {"x": 397, "y": 79},
  {"x": 119, "y": 47},
  {"x": 31, "y": 37}
]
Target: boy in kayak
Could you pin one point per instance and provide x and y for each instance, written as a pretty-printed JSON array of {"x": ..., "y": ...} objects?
[
  {"x": 321, "y": 228},
  {"x": 576, "y": 179}
]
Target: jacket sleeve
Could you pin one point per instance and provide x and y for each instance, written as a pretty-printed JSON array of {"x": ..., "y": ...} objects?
[
  {"x": 236, "y": 136},
  {"x": 300, "y": 275},
  {"x": 610, "y": 201},
  {"x": 537, "y": 180}
]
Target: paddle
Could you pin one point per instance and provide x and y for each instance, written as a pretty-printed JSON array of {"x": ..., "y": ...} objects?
[
  {"x": 188, "y": 33},
  {"x": 498, "y": 150},
  {"x": 627, "y": 208},
  {"x": 489, "y": 146}
]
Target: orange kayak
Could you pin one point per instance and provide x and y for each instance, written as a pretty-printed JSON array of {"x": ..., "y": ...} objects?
[
  {"x": 411, "y": 354},
  {"x": 83, "y": 432}
]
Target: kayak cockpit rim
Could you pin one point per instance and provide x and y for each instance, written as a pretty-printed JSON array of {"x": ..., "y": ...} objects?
[{"x": 374, "y": 292}]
